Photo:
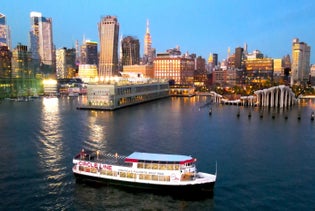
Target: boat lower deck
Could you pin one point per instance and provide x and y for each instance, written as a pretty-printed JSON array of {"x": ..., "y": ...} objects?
[{"x": 202, "y": 188}]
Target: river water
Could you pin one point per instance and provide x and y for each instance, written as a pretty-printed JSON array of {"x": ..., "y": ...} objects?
[{"x": 264, "y": 163}]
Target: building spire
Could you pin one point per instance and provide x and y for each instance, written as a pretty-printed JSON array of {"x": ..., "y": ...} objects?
[
  {"x": 148, "y": 25},
  {"x": 147, "y": 41}
]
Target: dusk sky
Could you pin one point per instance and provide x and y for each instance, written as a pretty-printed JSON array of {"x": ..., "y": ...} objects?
[{"x": 201, "y": 27}]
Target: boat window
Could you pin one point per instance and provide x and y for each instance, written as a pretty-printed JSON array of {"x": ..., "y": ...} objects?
[
  {"x": 160, "y": 166},
  {"x": 155, "y": 177}
]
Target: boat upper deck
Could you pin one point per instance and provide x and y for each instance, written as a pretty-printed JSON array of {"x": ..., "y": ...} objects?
[
  {"x": 135, "y": 157},
  {"x": 159, "y": 158},
  {"x": 112, "y": 159}
]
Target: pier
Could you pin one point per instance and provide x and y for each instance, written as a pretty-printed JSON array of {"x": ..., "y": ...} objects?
[
  {"x": 277, "y": 96},
  {"x": 274, "y": 97}
]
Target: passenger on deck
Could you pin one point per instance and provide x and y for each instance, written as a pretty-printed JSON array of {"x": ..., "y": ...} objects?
[{"x": 82, "y": 154}]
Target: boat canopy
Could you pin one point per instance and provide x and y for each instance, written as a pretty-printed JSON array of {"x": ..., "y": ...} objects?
[{"x": 159, "y": 158}]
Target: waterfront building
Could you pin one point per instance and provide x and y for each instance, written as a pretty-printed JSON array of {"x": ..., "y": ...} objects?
[
  {"x": 50, "y": 87},
  {"x": 88, "y": 73},
  {"x": 130, "y": 48},
  {"x": 21, "y": 73},
  {"x": 71, "y": 86},
  {"x": 5, "y": 39},
  {"x": 108, "y": 33},
  {"x": 175, "y": 67},
  {"x": 41, "y": 44},
  {"x": 120, "y": 92},
  {"x": 5, "y": 62},
  {"x": 300, "y": 67},
  {"x": 89, "y": 53}
]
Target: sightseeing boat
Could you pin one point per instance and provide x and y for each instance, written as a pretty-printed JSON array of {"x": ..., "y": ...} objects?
[{"x": 150, "y": 171}]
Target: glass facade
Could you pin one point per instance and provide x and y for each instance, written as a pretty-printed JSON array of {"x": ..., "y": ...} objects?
[
  {"x": 41, "y": 44},
  {"x": 4, "y": 32},
  {"x": 108, "y": 34},
  {"x": 130, "y": 51}
]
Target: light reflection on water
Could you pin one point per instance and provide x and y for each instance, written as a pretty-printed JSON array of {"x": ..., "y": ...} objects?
[
  {"x": 50, "y": 149},
  {"x": 263, "y": 163}
]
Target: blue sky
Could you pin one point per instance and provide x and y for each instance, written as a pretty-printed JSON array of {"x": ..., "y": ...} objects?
[{"x": 200, "y": 26}]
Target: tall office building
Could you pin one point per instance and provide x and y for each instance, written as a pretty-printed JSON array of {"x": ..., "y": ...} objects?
[
  {"x": 238, "y": 57},
  {"x": 300, "y": 66},
  {"x": 88, "y": 52},
  {"x": 41, "y": 43},
  {"x": 149, "y": 52},
  {"x": 5, "y": 62},
  {"x": 20, "y": 62},
  {"x": 147, "y": 40},
  {"x": 65, "y": 63},
  {"x": 61, "y": 63},
  {"x": 108, "y": 29},
  {"x": 130, "y": 51},
  {"x": 4, "y": 32},
  {"x": 212, "y": 61}
]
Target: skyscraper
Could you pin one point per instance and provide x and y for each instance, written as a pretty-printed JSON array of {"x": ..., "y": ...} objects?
[
  {"x": 149, "y": 52},
  {"x": 130, "y": 51},
  {"x": 5, "y": 62},
  {"x": 300, "y": 66},
  {"x": 20, "y": 59},
  {"x": 41, "y": 42},
  {"x": 61, "y": 63},
  {"x": 238, "y": 57},
  {"x": 147, "y": 40},
  {"x": 4, "y": 32},
  {"x": 65, "y": 62},
  {"x": 108, "y": 29},
  {"x": 89, "y": 52}
]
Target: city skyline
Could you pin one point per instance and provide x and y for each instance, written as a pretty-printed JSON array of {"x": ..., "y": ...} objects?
[{"x": 203, "y": 28}]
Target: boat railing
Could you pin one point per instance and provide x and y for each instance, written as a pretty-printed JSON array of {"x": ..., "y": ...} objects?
[{"x": 112, "y": 159}]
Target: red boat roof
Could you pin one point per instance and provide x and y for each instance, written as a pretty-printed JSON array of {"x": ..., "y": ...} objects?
[{"x": 155, "y": 157}]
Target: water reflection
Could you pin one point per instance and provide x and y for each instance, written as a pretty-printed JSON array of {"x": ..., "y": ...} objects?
[
  {"x": 114, "y": 198},
  {"x": 97, "y": 130},
  {"x": 50, "y": 145}
]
